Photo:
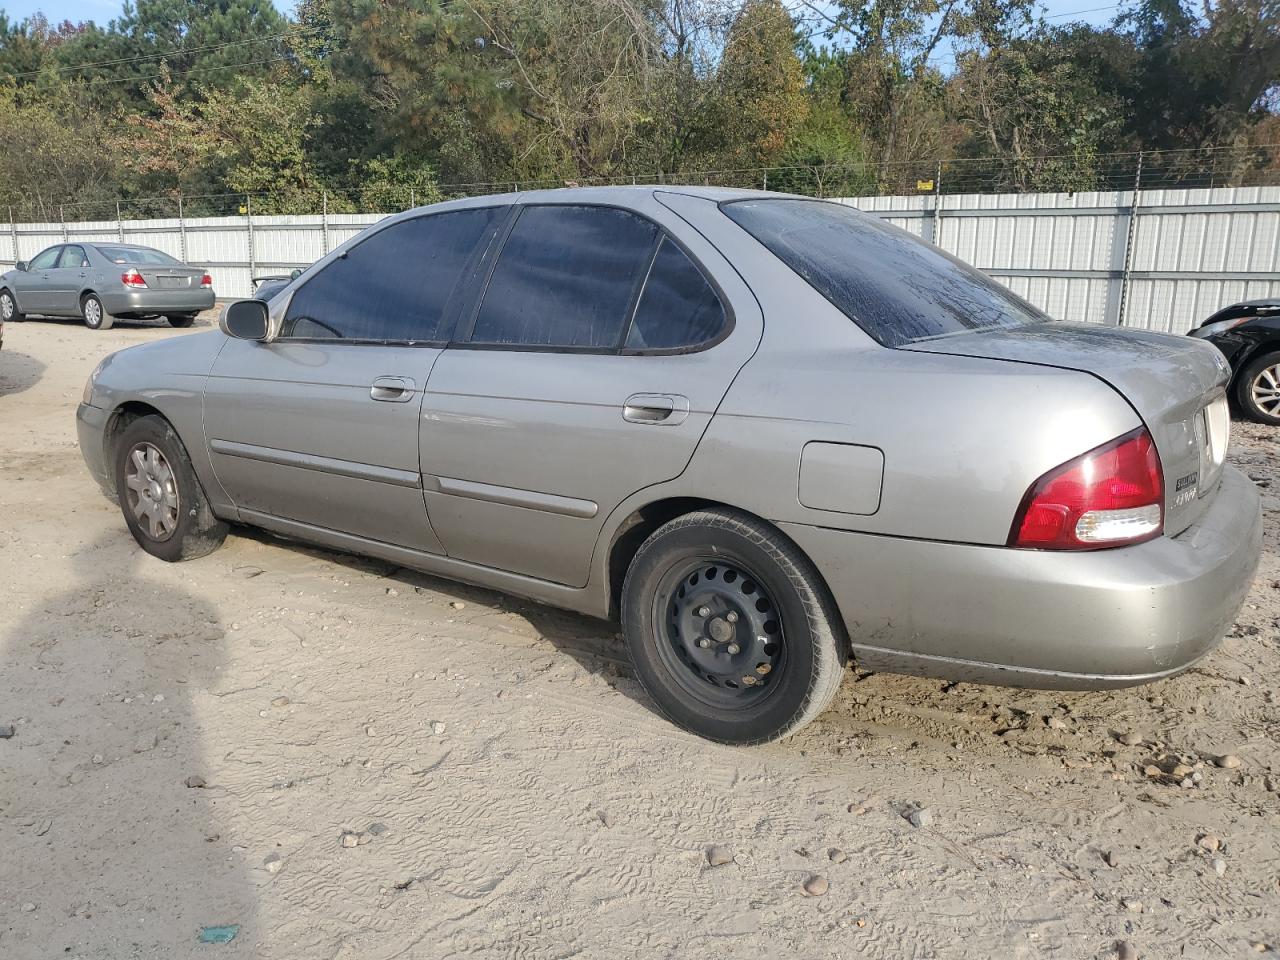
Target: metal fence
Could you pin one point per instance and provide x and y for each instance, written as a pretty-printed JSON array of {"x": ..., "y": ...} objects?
[{"x": 1154, "y": 259}]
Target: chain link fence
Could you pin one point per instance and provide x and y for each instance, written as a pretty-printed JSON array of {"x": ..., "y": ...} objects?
[{"x": 1205, "y": 168}]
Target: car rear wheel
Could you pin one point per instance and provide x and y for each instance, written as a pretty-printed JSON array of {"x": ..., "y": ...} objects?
[
  {"x": 1258, "y": 389},
  {"x": 181, "y": 319},
  {"x": 9, "y": 308},
  {"x": 731, "y": 630},
  {"x": 160, "y": 496},
  {"x": 94, "y": 314}
]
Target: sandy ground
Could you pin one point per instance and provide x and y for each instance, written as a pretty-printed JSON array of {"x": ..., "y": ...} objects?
[{"x": 515, "y": 795}]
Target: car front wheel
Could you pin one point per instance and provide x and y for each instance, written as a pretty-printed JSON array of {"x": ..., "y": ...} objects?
[
  {"x": 95, "y": 316},
  {"x": 162, "y": 500},
  {"x": 1258, "y": 389},
  {"x": 9, "y": 308},
  {"x": 731, "y": 629}
]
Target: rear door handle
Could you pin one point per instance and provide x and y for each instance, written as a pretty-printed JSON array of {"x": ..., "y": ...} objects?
[
  {"x": 666, "y": 409},
  {"x": 392, "y": 389}
]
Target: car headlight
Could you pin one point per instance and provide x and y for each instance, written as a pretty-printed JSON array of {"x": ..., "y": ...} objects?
[
  {"x": 87, "y": 396},
  {"x": 1222, "y": 326}
]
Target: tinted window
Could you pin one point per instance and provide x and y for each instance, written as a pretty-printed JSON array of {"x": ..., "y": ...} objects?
[
  {"x": 73, "y": 256},
  {"x": 139, "y": 255},
  {"x": 567, "y": 278},
  {"x": 395, "y": 285},
  {"x": 895, "y": 287},
  {"x": 45, "y": 259},
  {"x": 678, "y": 308}
]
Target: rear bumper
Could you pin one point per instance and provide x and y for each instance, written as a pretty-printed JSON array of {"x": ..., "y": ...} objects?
[
  {"x": 91, "y": 426},
  {"x": 1109, "y": 618},
  {"x": 158, "y": 301}
]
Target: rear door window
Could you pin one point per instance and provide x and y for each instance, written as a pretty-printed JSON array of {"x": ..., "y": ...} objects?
[
  {"x": 566, "y": 278},
  {"x": 897, "y": 288},
  {"x": 396, "y": 285},
  {"x": 73, "y": 256},
  {"x": 678, "y": 308}
]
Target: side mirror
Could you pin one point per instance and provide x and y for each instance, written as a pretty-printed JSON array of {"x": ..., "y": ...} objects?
[
  {"x": 245, "y": 320},
  {"x": 21, "y": 265},
  {"x": 295, "y": 274}
]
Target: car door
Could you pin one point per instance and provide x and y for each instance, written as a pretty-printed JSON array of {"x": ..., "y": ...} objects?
[
  {"x": 320, "y": 426},
  {"x": 67, "y": 279},
  {"x": 589, "y": 369},
  {"x": 34, "y": 286}
]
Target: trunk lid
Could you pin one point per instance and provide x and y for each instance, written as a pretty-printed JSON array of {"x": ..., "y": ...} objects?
[
  {"x": 164, "y": 276},
  {"x": 1175, "y": 384}
]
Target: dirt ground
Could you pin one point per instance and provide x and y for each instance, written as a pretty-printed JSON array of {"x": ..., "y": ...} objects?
[{"x": 509, "y": 790}]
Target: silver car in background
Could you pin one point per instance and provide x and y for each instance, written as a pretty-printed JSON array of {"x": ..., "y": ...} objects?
[
  {"x": 767, "y": 433},
  {"x": 103, "y": 282}
]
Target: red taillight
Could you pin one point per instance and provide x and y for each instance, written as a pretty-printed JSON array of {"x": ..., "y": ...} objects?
[
  {"x": 1111, "y": 496},
  {"x": 132, "y": 278},
  {"x": 206, "y": 281}
]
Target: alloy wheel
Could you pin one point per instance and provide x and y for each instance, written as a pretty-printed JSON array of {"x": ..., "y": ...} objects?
[
  {"x": 152, "y": 491},
  {"x": 6, "y": 306},
  {"x": 1265, "y": 390},
  {"x": 92, "y": 312},
  {"x": 719, "y": 632}
]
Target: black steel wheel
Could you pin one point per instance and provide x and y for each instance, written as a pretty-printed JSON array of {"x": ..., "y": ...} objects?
[{"x": 731, "y": 629}]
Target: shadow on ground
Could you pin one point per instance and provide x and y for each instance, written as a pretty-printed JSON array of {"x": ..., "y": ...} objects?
[{"x": 107, "y": 721}]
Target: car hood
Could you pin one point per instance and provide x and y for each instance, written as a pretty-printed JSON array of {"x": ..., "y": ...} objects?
[{"x": 1168, "y": 380}]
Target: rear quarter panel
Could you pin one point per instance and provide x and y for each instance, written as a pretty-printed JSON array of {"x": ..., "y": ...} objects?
[{"x": 963, "y": 438}]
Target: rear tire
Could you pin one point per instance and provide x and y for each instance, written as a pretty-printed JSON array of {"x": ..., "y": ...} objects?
[
  {"x": 95, "y": 314},
  {"x": 9, "y": 308},
  {"x": 181, "y": 320},
  {"x": 161, "y": 498},
  {"x": 731, "y": 629},
  {"x": 1258, "y": 389}
]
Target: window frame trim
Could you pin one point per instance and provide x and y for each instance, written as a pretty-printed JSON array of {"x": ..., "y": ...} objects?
[
  {"x": 466, "y": 326},
  {"x": 448, "y": 319}
]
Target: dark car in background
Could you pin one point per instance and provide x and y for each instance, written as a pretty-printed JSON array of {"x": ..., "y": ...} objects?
[
  {"x": 264, "y": 288},
  {"x": 103, "y": 282},
  {"x": 1248, "y": 334}
]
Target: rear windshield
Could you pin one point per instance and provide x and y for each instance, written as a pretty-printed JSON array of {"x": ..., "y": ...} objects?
[
  {"x": 141, "y": 255},
  {"x": 897, "y": 288}
]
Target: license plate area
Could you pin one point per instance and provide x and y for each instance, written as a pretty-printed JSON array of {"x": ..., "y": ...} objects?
[
  {"x": 169, "y": 283},
  {"x": 1213, "y": 434}
]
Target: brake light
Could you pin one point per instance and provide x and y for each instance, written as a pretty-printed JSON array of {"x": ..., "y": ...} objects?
[
  {"x": 1111, "y": 496},
  {"x": 132, "y": 278},
  {"x": 206, "y": 281}
]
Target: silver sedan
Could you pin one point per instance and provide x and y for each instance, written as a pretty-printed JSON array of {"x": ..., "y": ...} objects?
[
  {"x": 769, "y": 434},
  {"x": 103, "y": 282}
]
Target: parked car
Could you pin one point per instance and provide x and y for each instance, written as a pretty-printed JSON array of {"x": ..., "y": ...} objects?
[
  {"x": 1248, "y": 334},
  {"x": 104, "y": 282},
  {"x": 765, "y": 432},
  {"x": 264, "y": 288}
]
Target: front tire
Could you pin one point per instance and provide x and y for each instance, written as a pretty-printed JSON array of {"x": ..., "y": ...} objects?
[
  {"x": 9, "y": 308},
  {"x": 731, "y": 629},
  {"x": 1258, "y": 389},
  {"x": 94, "y": 314},
  {"x": 160, "y": 495},
  {"x": 181, "y": 320}
]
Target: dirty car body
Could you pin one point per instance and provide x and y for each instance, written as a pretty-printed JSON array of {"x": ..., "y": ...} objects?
[{"x": 906, "y": 434}]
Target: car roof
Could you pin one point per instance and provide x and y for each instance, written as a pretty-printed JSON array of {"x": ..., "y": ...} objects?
[{"x": 621, "y": 195}]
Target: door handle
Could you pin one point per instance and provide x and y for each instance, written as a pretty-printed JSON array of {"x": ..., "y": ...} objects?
[
  {"x": 655, "y": 408},
  {"x": 392, "y": 389}
]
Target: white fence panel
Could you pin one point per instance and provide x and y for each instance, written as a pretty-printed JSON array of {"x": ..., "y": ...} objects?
[{"x": 1164, "y": 263}]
